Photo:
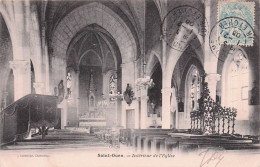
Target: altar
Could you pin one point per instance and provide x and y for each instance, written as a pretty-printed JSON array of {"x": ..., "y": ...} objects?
[{"x": 97, "y": 122}]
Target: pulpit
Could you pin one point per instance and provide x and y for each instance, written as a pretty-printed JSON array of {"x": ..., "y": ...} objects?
[{"x": 31, "y": 111}]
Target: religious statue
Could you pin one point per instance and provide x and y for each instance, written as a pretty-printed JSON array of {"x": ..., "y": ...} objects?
[
  {"x": 69, "y": 85},
  {"x": 128, "y": 94}
]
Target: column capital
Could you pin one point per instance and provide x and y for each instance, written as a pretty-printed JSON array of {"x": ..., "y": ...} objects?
[
  {"x": 212, "y": 77},
  {"x": 39, "y": 87},
  {"x": 19, "y": 65},
  {"x": 167, "y": 91}
]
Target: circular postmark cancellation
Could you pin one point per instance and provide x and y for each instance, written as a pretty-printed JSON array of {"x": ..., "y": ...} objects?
[
  {"x": 230, "y": 32},
  {"x": 184, "y": 26}
]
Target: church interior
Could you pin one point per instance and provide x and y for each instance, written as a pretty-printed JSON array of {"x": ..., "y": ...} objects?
[{"x": 144, "y": 73}]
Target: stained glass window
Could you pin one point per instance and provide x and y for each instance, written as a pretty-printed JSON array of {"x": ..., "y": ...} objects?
[{"x": 112, "y": 85}]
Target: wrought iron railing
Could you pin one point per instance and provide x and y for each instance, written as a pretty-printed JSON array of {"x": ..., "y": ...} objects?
[
  {"x": 216, "y": 121},
  {"x": 211, "y": 117}
]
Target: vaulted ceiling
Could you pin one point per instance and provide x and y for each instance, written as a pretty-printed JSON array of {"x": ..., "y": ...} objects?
[{"x": 52, "y": 12}]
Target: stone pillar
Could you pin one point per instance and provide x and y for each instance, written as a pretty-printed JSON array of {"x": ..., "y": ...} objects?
[
  {"x": 39, "y": 87},
  {"x": 128, "y": 77},
  {"x": 210, "y": 60},
  {"x": 47, "y": 72},
  {"x": 123, "y": 104},
  {"x": 166, "y": 105},
  {"x": 144, "y": 99},
  {"x": 212, "y": 80},
  {"x": 77, "y": 93},
  {"x": 22, "y": 78}
]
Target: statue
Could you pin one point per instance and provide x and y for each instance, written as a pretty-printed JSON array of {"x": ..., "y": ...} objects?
[
  {"x": 128, "y": 94},
  {"x": 69, "y": 85}
]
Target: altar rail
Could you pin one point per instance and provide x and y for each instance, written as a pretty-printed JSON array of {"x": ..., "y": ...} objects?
[
  {"x": 217, "y": 120},
  {"x": 31, "y": 111}
]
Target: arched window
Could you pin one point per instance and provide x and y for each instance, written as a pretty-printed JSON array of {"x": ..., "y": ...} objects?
[
  {"x": 237, "y": 83},
  {"x": 192, "y": 89},
  {"x": 113, "y": 86}
]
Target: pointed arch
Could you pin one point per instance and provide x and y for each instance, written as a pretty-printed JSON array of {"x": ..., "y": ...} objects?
[
  {"x": 235, "y": 82},
  {"x": 102, "y": 16}
]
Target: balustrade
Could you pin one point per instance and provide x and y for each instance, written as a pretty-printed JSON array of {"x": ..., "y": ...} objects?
[{"x": 212, "y": 118}]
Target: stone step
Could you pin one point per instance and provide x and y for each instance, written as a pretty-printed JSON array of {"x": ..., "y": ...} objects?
[{"x": 60, "y": 139}]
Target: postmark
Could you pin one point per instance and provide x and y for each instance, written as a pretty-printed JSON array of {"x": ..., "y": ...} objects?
[
  {"x": 244, "y": 11},
  {"x": 184, "y": 26},
  {"x": 228, "y": 33}
]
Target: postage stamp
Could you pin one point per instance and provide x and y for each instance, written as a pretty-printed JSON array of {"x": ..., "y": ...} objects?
[
  {"x": 184, "y": 26},
  {"x": 237, "y": 31}
]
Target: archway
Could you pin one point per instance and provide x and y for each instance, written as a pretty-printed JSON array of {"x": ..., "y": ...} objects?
[
  {"x": 189, "y": 89},
  {"x": 92, "y": 60},
  {"x": 155, "y": 97},
  {"x": 103, "y": 17},
  {"x": 235, "y": 88},
  {"x": 93, "y": 17},
  {"x": 6, "y": 55}
]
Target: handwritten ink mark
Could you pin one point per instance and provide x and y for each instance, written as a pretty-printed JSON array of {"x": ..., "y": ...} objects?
[{"x": 207, "y": 157}]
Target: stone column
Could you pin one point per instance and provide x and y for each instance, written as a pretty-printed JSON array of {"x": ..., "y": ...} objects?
[
  {"x": 22, "y": 78},
  {"x": 166, "y": 105},
  {"x": 144, "y": 99},
  {"x": 77, "y": 93},
  {"x": 39, "y": 87},
  {"x": 212, "y": 80},
  {"x": 128, "y": 77},
  {"x": 123, "y": 103}
]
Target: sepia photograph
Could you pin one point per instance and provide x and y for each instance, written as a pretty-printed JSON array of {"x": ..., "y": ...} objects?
[{"x": 129, "y": 83}]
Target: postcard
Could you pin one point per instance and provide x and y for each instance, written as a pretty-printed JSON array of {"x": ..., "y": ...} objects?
[{"x": 129, "y": 83}]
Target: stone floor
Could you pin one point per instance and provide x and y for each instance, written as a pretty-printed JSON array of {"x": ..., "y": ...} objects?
[{"x": 60, "y": 139}]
